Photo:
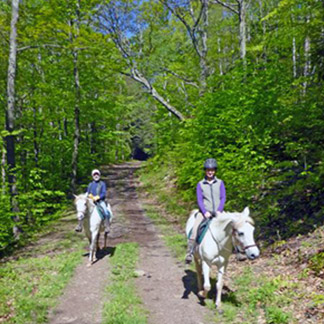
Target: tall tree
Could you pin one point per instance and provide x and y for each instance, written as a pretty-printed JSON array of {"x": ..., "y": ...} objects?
[
  {"x": 239, "y": 8},
  {"x": 75, "y": 53},
  {"x": 10, "y": 111}
]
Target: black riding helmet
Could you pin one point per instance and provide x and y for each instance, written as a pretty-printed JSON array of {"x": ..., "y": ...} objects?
[{"x": 210, "y": 164}]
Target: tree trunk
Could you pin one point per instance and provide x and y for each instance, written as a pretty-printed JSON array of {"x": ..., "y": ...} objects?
[
  {"x": 3, "y": 168},
  {"x": 294, "y": 57},
  {"x": 242, "y": 37},
  {"x": 307, "y": 65},
  {"x": 10, "y": 112},
  {"x": 204, "y": 71},
  {"x": 219, "y": 50},
  {"x": 76, "y": 141}
]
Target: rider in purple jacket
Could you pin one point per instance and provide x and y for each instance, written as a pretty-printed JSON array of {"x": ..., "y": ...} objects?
[{"x": 211, "y": 197}]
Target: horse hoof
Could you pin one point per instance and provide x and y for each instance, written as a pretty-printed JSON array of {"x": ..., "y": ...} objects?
[
  {"x": 89, "y": 264},
  {"x": 202, "y": 294},
  {"x": 220, "y": 311}
]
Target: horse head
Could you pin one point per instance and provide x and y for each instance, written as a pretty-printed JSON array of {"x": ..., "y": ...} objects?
[
  {"x": 243, "y": 230},
  {"x": 80, "y": 202}
]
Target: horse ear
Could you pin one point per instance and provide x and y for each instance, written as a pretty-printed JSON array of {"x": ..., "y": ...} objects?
[
  {"x": 246, "y": 211},
  {"x": 75, "y": 196}
]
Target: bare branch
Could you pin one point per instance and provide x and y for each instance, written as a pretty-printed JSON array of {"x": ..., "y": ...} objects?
[
  {"x": 137, "y": 76},
  {"x": 226, "y": 5},
  {"x": 184, "y": 79},
  {"x": 185, "y": 23}
]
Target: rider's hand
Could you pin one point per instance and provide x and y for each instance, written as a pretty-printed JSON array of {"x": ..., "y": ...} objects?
[
  {"x": 96, "y": 198},
  {"x": 208, "y": 214}
]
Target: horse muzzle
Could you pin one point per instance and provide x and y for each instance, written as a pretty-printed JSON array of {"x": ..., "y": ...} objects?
[
  {"x": 252, "y": 252},
  {"x": 80, "y": 215}
]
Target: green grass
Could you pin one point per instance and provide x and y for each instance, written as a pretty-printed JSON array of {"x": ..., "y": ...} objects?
[
  {"x": 258, "y": 296},
  {"x": 124, "y": 306},
  {"x": 31, "y": 284}
]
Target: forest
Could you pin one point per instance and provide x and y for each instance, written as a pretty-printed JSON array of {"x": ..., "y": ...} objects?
[{"x": 91, "y": 83}]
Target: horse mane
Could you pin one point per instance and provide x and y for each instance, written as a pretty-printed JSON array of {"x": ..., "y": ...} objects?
[
  {"x": 80, "y": 196},
  {"x": 237, "y": 218}
]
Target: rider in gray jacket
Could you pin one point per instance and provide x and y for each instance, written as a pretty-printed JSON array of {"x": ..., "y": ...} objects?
[{"x": 211, "y": 197}]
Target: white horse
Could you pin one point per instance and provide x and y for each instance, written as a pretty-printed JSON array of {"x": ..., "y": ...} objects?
[
  {"x": 224, "y": 230},
  {"x": 92, "y": 224}
]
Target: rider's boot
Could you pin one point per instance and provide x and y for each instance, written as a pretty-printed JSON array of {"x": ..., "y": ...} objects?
[
  {"x": 107, "y": 225},
  {"x": 190, "y": 251},
  {"x": 78, "y": 228}
]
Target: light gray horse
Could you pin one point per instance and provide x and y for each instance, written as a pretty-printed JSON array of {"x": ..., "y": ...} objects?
[
  {"x": 92, "y": 224},
  {"x": 224, "y": 230}
]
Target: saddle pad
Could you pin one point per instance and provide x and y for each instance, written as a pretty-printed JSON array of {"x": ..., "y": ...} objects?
[
  {"x": 101, "y": 212},
  {"x": 202, "y": 229}
]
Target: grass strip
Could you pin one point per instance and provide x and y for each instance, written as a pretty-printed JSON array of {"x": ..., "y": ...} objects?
[
  {"x": 124, "y": 306},
  {"x": 31, "y": 284}
]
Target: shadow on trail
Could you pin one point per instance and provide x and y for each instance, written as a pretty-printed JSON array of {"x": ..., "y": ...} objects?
[
  {"x": 190, "y": 285},
  {"x": 102, "y": 253}
]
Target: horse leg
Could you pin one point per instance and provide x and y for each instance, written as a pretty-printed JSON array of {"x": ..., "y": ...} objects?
[
  {"x": 105, "y": 240},
  {"x": 219, "y": 285},
  {"x": 206, "y": 270},
  {"x": 93, "y": 245},
  {"x": 98, "y": 238},
  {"x": 199, "y": 273}
]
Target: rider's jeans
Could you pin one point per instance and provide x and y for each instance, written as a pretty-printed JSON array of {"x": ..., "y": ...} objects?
[
  {"x": 199, "y": 219},
  {"x": 108, "y": 213}
]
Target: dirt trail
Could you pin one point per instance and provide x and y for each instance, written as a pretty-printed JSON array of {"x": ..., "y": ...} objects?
[{"x": 166, "y": 288}]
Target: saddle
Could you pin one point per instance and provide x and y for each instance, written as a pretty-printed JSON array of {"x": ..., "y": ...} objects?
[
  {"x": 102, "y": 212},
  {"x": 202, "y": 229}
]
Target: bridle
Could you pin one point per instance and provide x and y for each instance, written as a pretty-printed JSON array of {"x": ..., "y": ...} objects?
[
  {"x": 240, "y": 245},
  {"x": 242, "y": 248}
]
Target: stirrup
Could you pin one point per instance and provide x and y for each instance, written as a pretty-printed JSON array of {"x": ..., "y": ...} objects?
[{"x": 188, "y": 258}]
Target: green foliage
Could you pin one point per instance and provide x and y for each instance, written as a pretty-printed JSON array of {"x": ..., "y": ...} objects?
[
  {"x": 6, "y": 221},
  {"x": 316, "y": 263},
  {"x": 262, "y": 121},
  {"x": 274, "y": 315},
  {"x": 46, "y": 101}
]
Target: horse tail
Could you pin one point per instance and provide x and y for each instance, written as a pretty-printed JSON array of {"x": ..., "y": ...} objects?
[{"x": 191, "y": 221}]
